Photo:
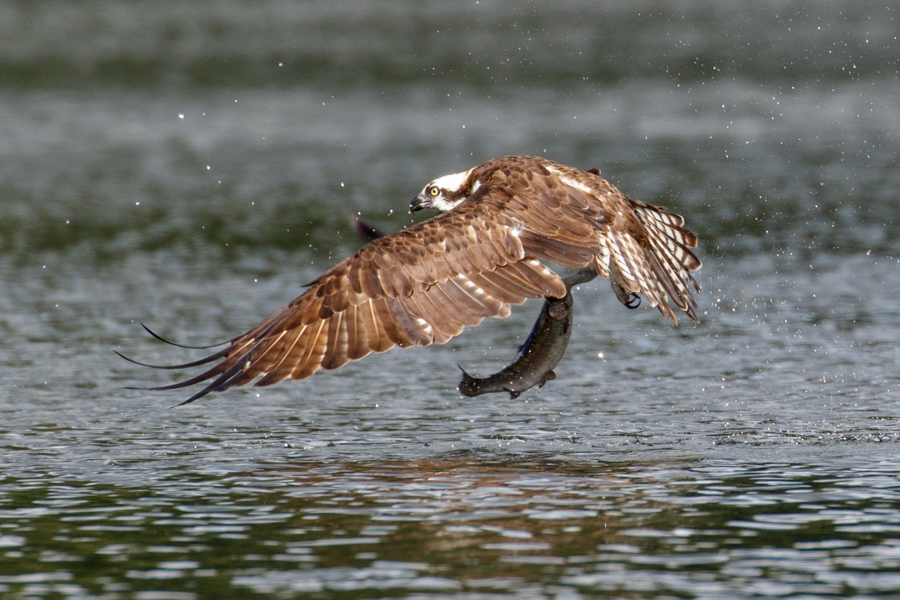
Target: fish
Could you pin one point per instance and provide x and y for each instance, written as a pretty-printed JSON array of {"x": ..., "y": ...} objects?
[{"x": 537, "y": 357}]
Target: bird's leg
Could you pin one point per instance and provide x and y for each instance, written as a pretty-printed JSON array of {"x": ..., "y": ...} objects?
[{"x": 586, "y": 274}]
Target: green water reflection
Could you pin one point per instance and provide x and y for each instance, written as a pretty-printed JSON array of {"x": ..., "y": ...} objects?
[{"x": 442, "y": 526}]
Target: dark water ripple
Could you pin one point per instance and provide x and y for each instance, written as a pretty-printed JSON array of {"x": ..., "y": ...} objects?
[
  {"x": 501, "y": 47},
  {"x": 712, "y": 529},
  {"x": 191, "y": 165},
  {"x": 751, "y": 176}
]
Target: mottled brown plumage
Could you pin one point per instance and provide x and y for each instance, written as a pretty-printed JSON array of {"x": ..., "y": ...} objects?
[{"x": 424, "y": 284}]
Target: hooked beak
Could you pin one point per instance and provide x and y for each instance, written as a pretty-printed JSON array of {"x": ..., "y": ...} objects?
[{"x": 418, "y": 203}]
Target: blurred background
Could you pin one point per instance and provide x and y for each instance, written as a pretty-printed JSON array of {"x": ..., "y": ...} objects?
[
  {"x": 135, "y": 126},
  {"x": 190, "y": 165}
]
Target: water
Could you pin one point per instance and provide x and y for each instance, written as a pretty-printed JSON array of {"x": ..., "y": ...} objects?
[{"x": 191, "y": 165}]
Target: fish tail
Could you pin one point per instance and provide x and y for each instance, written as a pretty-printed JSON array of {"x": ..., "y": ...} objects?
[{"x": 468, "y": 385}]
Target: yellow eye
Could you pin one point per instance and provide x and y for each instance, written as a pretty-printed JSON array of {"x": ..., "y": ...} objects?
[{"x": 434, "y": 192}]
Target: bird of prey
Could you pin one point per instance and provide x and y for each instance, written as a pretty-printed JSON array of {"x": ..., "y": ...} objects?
[{"x": 501, "y": 224}]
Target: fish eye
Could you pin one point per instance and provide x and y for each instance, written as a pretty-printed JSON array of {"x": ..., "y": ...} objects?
[{"x": 434, "y": 192}]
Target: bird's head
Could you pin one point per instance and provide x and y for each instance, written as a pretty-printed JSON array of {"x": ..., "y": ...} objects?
[{"x": 444, "y": 193}]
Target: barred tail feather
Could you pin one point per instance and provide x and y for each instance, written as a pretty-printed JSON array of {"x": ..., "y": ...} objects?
[{"x": 660, "y": 270}]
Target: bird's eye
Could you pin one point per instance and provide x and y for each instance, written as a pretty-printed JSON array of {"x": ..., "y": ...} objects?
[{"x": 433, "y": 192}]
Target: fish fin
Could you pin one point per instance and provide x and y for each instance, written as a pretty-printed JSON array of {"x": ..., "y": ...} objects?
[
  {"x": 468, "y": 385},
  {"x": 548, "y": 376},
  {"x": 513, "y": 394},
  {"x": 466, "y": 374}
]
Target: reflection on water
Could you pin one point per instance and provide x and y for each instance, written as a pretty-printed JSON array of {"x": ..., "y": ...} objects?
[
  {"x": 462, "y": 525},
  {"x": 191, "y": 164}
]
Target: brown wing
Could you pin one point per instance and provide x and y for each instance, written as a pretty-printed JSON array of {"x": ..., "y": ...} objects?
[
  {"x": 419, "y": 286},
  {"x": 572, "y": 217}
]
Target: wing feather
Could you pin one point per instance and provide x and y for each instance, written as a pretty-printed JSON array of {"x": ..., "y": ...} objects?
[
  {"x": 357, "y": 340},
  {"x": 494, "y": 284},
  {"x": 574, "y": 218},
  {"x": 291, "y": 345},
  {"x": 441, "y": 326},
  {"x": 312, "y": 353},
  {"x": 336, "y": 348},
  {"x": 562, "y": 253},
  {"x": 375, "y": 333}
]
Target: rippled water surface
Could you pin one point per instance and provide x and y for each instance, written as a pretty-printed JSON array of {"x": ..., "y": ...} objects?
[{"x": 191, "y": 165}]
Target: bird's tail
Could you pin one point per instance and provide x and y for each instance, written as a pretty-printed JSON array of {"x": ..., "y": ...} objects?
[{"x": 657, "y": 264}]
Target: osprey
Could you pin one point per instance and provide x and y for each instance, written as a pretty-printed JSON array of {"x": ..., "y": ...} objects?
[{"x": 501, "y": 223}]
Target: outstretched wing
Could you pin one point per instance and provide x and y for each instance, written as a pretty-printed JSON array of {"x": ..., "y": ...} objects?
[
  {"x": 419, "y": 286},
  {"x": 572, "y": 218}
]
